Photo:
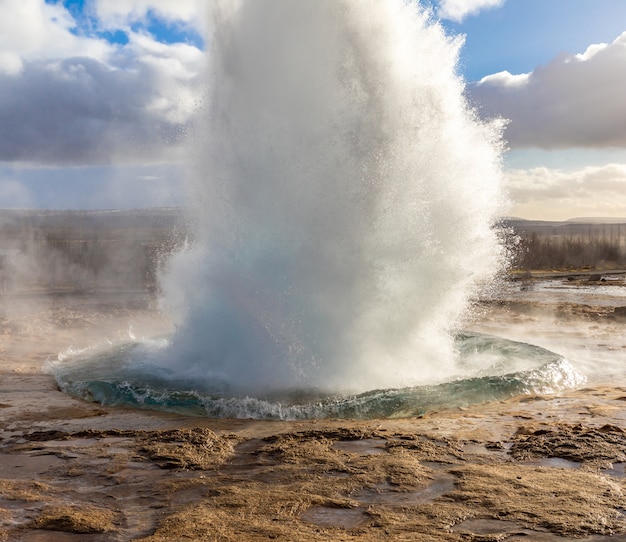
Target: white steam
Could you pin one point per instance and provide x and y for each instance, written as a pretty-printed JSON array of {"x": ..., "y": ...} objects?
[{"x": 342, "y": 198}]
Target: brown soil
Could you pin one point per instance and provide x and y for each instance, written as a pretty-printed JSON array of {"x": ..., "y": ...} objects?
[{"x": 546, "y": 468}]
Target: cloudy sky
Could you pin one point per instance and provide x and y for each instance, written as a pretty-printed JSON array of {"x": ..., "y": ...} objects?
[{"x": 96, "y": 96}]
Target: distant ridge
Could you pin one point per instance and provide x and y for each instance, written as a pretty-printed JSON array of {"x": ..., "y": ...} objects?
[
  {"x": 159, "y": 217},
  {"x": 138, "y": 210},
  {"x": 577, "y": 220},
  {"x": 178, "y": 212},
  {"x": 598, "y": 220}
]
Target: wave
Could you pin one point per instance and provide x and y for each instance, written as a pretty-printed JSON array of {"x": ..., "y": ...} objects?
[{"x": 490, "y": 369}]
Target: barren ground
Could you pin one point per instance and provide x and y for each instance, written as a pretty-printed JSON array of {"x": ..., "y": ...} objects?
[{"x": 546, "y": 468}]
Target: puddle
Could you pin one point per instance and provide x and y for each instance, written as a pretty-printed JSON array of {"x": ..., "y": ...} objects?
[
  {"x": 487, "y": 527},
  {"x": 244, "y": 460},
  {"x": 58, "y": 536},
  {"x": 387, "y": 494},
  {"x": 9, "y": 504},
  {"x": 324, "y": 516},
  {"x": 616, "y": 470},
  {"x": 473, "y": 448},
  {"x": 559, "y": 462},
  {"x": 366, "y": 446},
  {"x": 188, "y": 496},
  {"x": 246, "y": 455},
  {"x": 556, "y": 463},
  {"x": 20, "y": 466},
  {"x": 115, "y": 450},
  {"x": 249, "y": 446},
  {"x": 69, "y": 443},
  {"x": 261, "y": 473},
  {"x": 492, "y": 448},
  {"x": 513, "y": 532}
]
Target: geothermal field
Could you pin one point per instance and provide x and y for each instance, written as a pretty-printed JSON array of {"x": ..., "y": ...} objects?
[
  {"x": 532, "y": 464},
  {"x": 338, "y": 337}
]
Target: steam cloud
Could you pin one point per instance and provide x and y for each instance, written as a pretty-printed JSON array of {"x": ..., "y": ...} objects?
[{"x": 342, "y": 200}]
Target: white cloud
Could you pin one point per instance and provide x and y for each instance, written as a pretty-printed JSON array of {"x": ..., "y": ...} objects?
[
  {"x": 80, "y": 111},
  {"x": 505, "y": 79},
  {"x": 69, "y": 99},
  {"x": 553, "y": 194},
  {"x": 122, "y": 13},
  {"x": 574, "y": 101},
  {"x": 591, "y": 51},
  {"x": 457, "y": 10},
  {"x": 32, "y": 29}
]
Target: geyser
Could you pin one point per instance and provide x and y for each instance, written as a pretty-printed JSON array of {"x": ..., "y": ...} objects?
[{"x": 342, "y": 194}]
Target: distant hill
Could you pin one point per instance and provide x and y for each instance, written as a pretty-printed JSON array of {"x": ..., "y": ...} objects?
[
  {"x": 577, "y": 220},
  {"x": 598, "y": 220},
  {"x": 125, "y": 248},
  {"x": 161, "y": 217}
]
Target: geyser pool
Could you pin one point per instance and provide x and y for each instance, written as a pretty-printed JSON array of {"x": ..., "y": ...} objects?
[
  {"x": 490, "y": 368},
  {"x": 342, "y": 195}
]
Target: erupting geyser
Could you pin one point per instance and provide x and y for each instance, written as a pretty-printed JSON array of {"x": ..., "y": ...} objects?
[
  {"x": 342, "y": 195},
  {"x": 342, "y": 198}
]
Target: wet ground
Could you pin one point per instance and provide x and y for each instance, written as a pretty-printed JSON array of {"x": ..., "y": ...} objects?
[{"x": 547, "y": 468}]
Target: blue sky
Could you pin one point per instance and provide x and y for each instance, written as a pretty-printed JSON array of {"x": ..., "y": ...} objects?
[
  {"x": 163, "y": 29},
  {"x": 96, "y": 97},
  {"x": 523, "y": 34}
]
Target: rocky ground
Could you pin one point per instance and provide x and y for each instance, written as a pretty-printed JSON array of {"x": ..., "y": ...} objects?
[{"x": 544, "y": 468}]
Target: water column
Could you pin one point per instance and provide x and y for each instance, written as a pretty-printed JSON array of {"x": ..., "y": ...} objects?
[{"x": 342, "y": 195}]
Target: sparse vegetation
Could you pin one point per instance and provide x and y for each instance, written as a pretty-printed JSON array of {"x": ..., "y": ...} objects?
[
  {"x": 566, "y": 245},
  {"x": 100, "y": 250}
]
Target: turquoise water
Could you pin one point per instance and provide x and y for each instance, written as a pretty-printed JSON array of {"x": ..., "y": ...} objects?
[{"x": 489, "y": 369}]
